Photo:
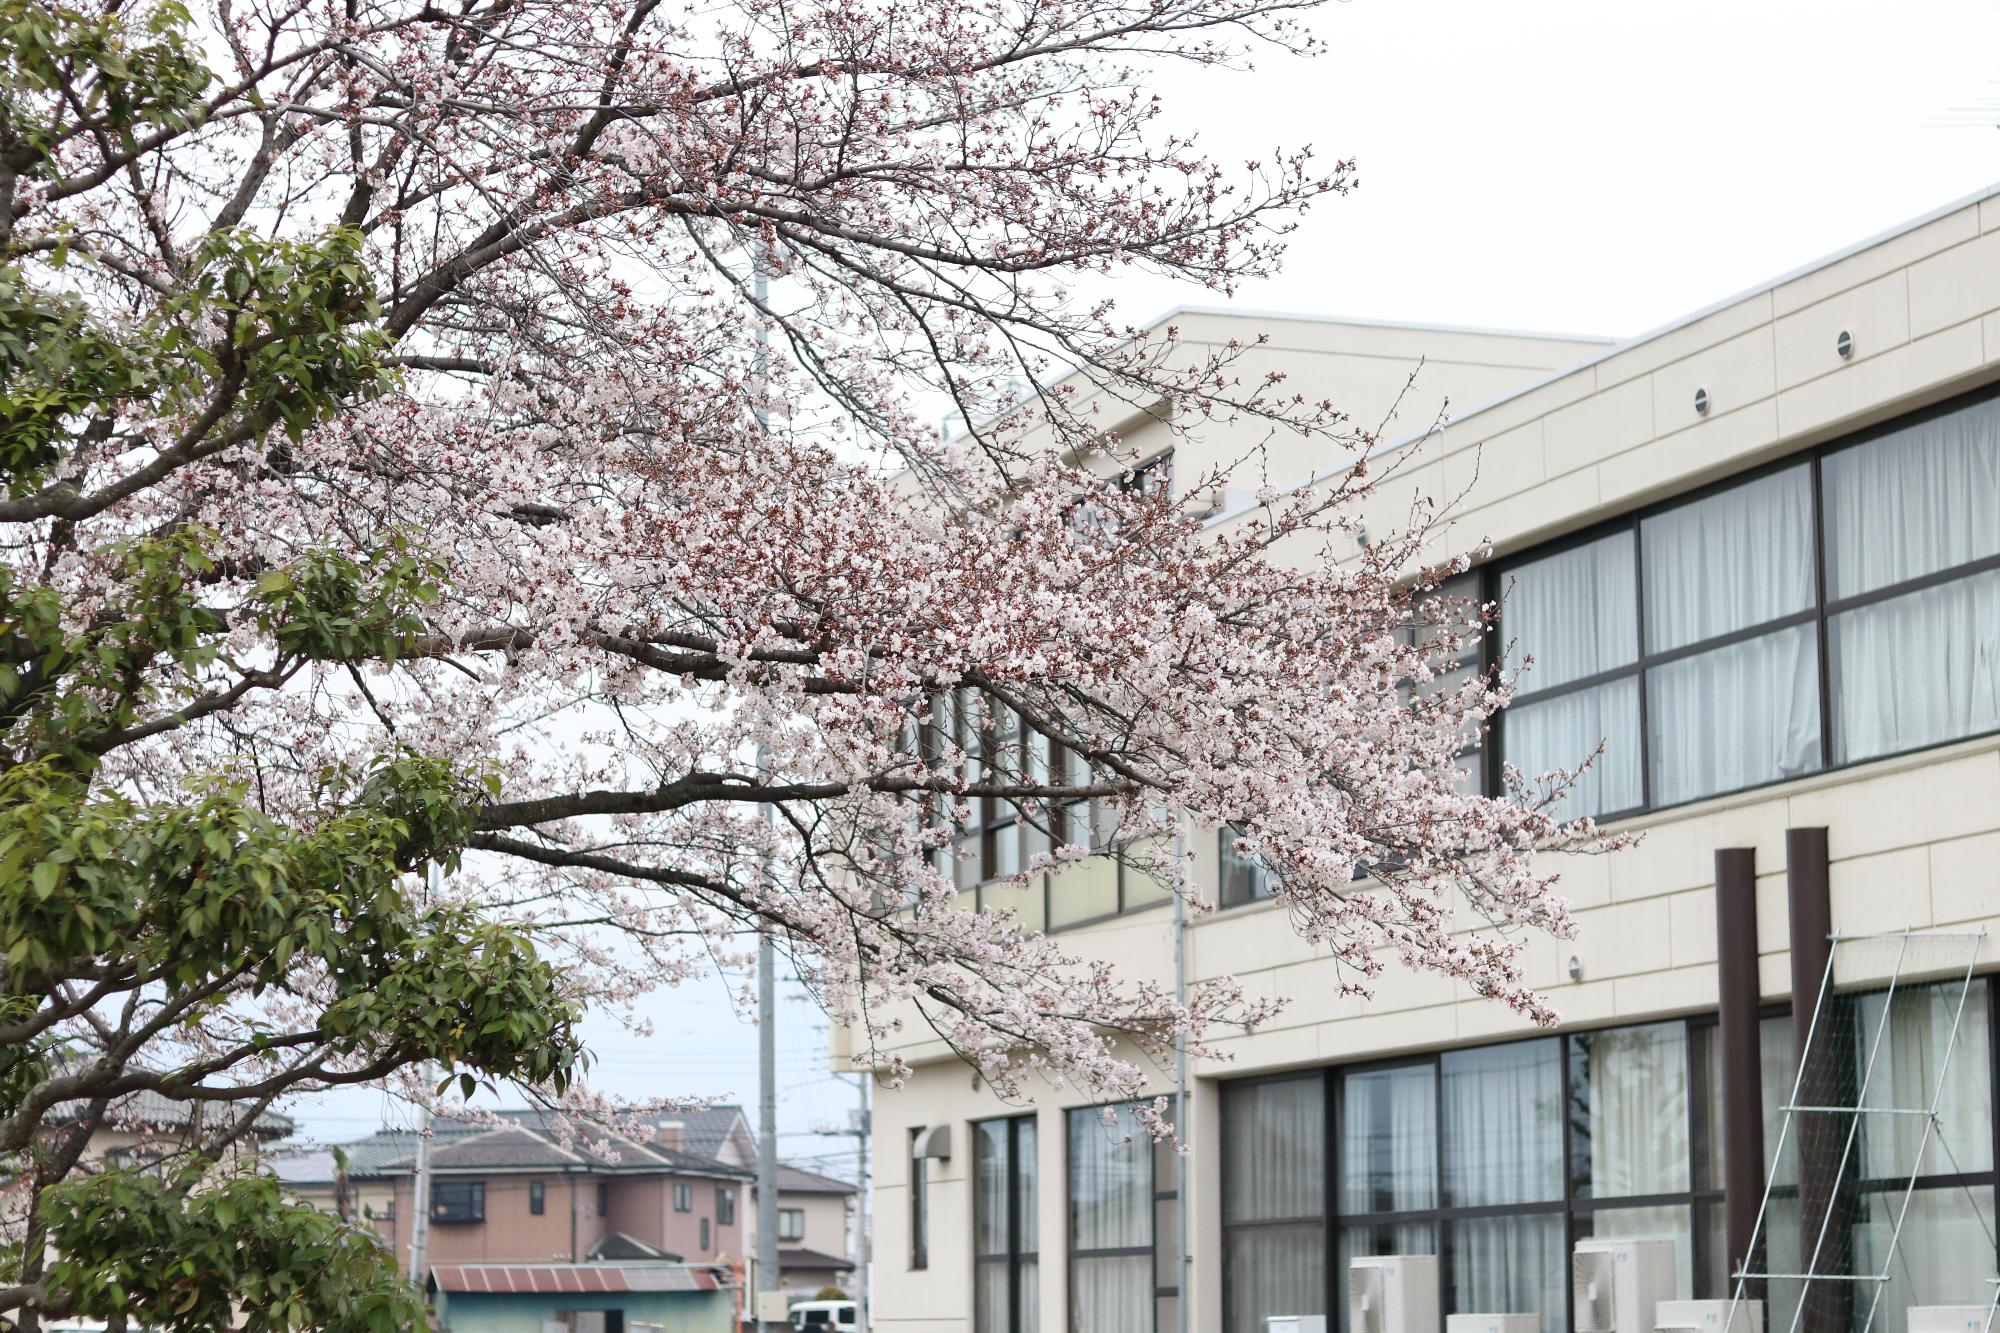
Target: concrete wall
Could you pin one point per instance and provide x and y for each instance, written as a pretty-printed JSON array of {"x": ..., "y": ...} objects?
[
  {"x": 826, "y": 1221},
  {"x": 1915, "y": 841}
]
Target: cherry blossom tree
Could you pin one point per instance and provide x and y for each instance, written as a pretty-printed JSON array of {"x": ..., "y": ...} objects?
[{"x": 542, "y": 396}]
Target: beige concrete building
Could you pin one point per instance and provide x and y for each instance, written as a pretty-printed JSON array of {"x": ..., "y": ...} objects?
[{"x": 1757, "y": 554}]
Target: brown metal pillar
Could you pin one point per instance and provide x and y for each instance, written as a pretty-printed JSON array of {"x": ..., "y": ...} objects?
[
  {"x": 1737, "y": 1025},
  {"x": 1827, "y": 1074}
]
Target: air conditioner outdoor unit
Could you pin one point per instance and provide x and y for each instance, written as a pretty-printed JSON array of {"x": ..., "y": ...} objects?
[
  {"x": 1618, "y": 1284},
  {"x": 1492, "y": 1323},
  {"x": 1392, "y": 1293},
  {"x": 1709, "y": 1317},
  {"x": 1948, "y": 1318},
  {"x": 1295, "y": 1323}
]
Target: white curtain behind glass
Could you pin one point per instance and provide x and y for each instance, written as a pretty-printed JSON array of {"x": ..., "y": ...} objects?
[
  {"x": 1908, "y": 1070},
  {"x": 1917, "y": 669},
  {"x": 1110, "y": 1208},
  {"x": 1110, "y": 1182},
  {"x": 1111, "y": 1294},
  {"x": 1924, "y": 498},
  {"x": 1273, "y": 1153},
  {"x": 1739, "y": 558},
  {"x": 1734, "y": 717},
  {"x": 1562, "y": 732},
  {"x": 1511, "y": 1265},
  {"x": 1502, "y": 1108},
  {"x": 1388, "y": 1147},
  {"x": 1632, "y": 1086},
  {"x": 1945, "y": 1256},
  {"x": 1576, "y": 612},
  {"x": 989, "y": 1191},
  {"x": 1272, "y": 1271}
]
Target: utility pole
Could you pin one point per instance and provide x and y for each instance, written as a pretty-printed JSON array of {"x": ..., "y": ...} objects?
[
  {"x": 420, "y": 1202},
  {"x": 864, "y": 1233},
  {"x": 769, "y": 1291},
  {"x": 860, "y": 1129}
]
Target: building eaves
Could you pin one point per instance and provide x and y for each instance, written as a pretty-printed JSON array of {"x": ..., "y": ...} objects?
[
  {"x": 794, "y": 1180},
  {"x": 1619, "y": 348}
]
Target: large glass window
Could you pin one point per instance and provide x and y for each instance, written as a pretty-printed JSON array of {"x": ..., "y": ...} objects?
[
  {"x": 1242, "y": 877},
  {"x": 1495, "y": 1158},
  {"x": 1451, "y": 615},
  {"x": 1499, "y": 1158},
  {"x": 1123, "y": 1224},
  {"x": 1912, "y": 545},
  {"x": 1006, "y": 1277},
  {"x": 1273, "y": 1200},
  {"x": 1701, "y": 646}
]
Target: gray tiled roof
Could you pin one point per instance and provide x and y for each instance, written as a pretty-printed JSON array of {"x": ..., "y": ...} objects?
[
  {"x": 151, "y": 1110},
  {"x": 794, "y": 1180},
  {"x": 704, "y": 1131}
]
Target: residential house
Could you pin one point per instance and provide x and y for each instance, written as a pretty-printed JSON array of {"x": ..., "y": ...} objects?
[
  {"x": 815, "y": 1215},
  {"x": 818, "y": 1215},
  {"x": 533, "y": 1224},
  {"x": 1756, "y": 554}
]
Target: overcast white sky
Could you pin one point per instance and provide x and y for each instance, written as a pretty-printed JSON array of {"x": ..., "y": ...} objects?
[{"x": 1571, "y": 166}]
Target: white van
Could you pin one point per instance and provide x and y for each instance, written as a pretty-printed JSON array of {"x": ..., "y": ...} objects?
[{"x": 833, "y": 1316}]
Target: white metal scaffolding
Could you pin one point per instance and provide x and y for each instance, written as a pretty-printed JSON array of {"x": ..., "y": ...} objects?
[{"x": 1837, "y": 1072}]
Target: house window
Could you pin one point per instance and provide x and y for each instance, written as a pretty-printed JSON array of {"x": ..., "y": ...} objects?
[
  {"x": 792, "y": 1225},
  {"x": 683, "y": 1198},
  {"x": 1499, "y": 1158},
  {"x": 920, "y": 1205},
  {"x": 1447, "y": 615},
  {"x": 1913, "y": 584},
  {"x": 999, "y": 838},
  {"x": 1242, "y": 877},
  {"x": 537, "y": 1198},
  {"x": 1006, "y": 1260},
  {"x": 1123, "y": 1225},
  {"x": 1837, "y": 608},
  {"x": 725, "y": 1206},
  {"x": 704, "y": 1235},
  {"x": 458, "y": 1201}
]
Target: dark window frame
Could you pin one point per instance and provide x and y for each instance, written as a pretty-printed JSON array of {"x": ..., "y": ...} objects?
[
  {"x": 683, "y": 1197},
  {"x": 457, "y": 1202},
  {"x": 1700, "y": 1198},
  {"x": 1156, "y": 1194},
  {"x": 787, "y": 1231},
  {"x": 1015, "y": 1256},
  {"x": 725, "y": 1206},
  {"x": 920, "y": 1206},
  {"x": 1252, "y": 868},
  {"x": 707, "y": 1237},
  {"x": 538, "y": 1202},
  {"x": 993, "y": 818},
  {"x": 1494, "y": 576}
]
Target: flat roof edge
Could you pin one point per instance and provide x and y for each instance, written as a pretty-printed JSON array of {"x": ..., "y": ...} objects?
[{"x": 1355, "y": 322}]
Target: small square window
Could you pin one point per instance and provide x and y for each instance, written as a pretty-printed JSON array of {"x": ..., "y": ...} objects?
[{"x": 458, "y": 1201}]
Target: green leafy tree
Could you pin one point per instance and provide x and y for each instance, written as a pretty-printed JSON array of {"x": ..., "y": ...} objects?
[{"x": 174, "y": 958}]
